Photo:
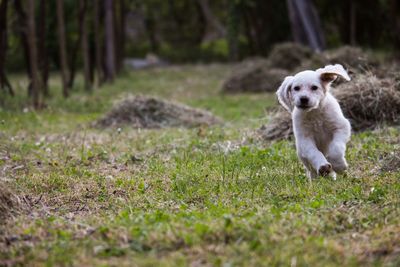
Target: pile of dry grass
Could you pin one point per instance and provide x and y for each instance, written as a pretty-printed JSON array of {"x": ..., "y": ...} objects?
[
  {"x": 352, "y": 58},
  {"x": 280, "y": 127},
  {"x": 315, "y": 61},
  {"x": 367, "y": 102},
  {"x": 256, "y": 78},
  {"x": 265, "y": 75},
  {"x": 151, "y": 112},
  {"x": 288, "y": 56},
  {"x": 8, "y": 202},
  {"x": 388, "y": 70}
]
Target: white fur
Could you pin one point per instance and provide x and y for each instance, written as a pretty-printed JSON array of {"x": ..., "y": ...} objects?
[{"x": 320, "y": 129}]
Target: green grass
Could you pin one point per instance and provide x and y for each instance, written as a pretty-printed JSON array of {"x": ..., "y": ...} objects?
[{"x": 174, "y": 197}]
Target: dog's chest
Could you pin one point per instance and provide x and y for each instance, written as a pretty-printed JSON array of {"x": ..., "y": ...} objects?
[{"x": 320, "y": 130}]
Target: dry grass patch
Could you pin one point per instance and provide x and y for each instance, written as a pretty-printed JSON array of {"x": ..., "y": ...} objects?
[
  {"x": 288, "y": 56},
  {"x": 9, "y": 201},
  {"x": 391, "y": 163},
  {"x": 152, "y": 112},
  {"x": 265, "y": 75},
  {"x": 257, "y": 77},
  {"x": 279, "y": 128}
]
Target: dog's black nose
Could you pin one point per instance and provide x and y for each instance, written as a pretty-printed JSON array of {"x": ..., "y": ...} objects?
[{"x": 304, "y": 100}]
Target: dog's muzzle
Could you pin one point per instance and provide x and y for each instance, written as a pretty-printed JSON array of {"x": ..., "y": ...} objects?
[{"x": 304, "y": 103}]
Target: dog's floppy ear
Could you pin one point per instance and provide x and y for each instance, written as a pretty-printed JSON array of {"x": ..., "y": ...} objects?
[
  {"x": 329, "y": 73},
  {"x": 284, "y": 92}
]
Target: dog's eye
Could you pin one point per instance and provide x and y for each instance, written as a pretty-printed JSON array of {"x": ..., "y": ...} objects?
[
  {"x": 314, "y": 88},
  {"x": 296, "y": 88}
]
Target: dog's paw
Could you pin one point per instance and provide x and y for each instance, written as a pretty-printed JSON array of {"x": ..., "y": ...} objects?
[
  {"x": 333, "y": 175},
  {"x": 325, "y": 170},
  {"x": 340, "y": 167}
]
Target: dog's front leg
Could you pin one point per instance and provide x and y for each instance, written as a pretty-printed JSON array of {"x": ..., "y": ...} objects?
[
  {"x": 336, "y": 152},
  {"x": 310, "y": 155},
  {"x": 337, "y": 147}
]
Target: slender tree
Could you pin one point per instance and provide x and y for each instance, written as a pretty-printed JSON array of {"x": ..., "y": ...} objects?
[
  {"x": 33, "y": 55},
  {"x": 75, "y": 52},
  {"x": 42, "y": 47},
  {"x": 62, "y": 46},
  {"x": 23, "y": 33},
  {"x": 109, "y": 36},
  {"x": 298, "y": 32},
  {"x": 233, "y": 30},
  {"x": 4, "y": 83},
  {"x": 215, "y": 28},
  {"x": 98, "y": 43},
  {"x": 85, "y": 44},
  {"x": 150, "y": 26},
  {"x": 306, "y": 26},
  {"x": 117, "y": 34},
  {"x": 120, "y": 22}
]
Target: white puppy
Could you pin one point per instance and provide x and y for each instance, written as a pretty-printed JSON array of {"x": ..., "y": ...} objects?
[{"x": 320, "y": 129}]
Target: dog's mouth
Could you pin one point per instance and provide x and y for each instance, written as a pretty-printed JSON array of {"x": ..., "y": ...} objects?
[{"x": 303, "y": 107}]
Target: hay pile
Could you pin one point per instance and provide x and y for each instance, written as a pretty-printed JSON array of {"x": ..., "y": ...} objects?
[
  {"x": 8, "y": 202},
  {"x": 367, "y": 102},
  {"x": 352, "y": 58},
  {"x": 279, "y": 128},
  {"x": 288, "y": 56},
  {"x": 265, "y": 75},
  {"x": 255, "y": 78},
  {"x": 150, "y": 112}
]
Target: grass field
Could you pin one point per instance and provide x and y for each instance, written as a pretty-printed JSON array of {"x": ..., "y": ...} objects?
[{"x": 183, "y": 197}]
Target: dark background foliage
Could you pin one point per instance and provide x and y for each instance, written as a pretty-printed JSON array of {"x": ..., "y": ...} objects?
[{"x": 179, "y": 31}]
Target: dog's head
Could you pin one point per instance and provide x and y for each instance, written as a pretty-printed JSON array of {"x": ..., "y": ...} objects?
[{"x": 307, "y": 89}]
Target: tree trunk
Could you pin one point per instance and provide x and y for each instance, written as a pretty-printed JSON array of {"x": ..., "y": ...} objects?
[
  {"x": 316, "y": 21},
  {"x": 42, "y": 49},
  {"x": 85, "y": 45},
  {"x": 149, "y": 24},
  {"x": 233, "y": 30},
  {"x": 62, "y": 46},
  {"x": 36, "y": 85},
  {"x": 4, "y": 83},
  {"x": 306, "y": 25},
  {"x": 22, "y": 29},
  {"x": 215, "y": 28},
  {"x": 74, "y": 53},
  {"x": 122, "y": 37},
  {"x": 248, "y": 29},
  {"x": 109, "y": 36},
  {"x": 299, "y": 36},
  {"x": 98, "y": 43},
  {"x": 117, "y": 34},
  {"x": 73, "y": 57}
]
